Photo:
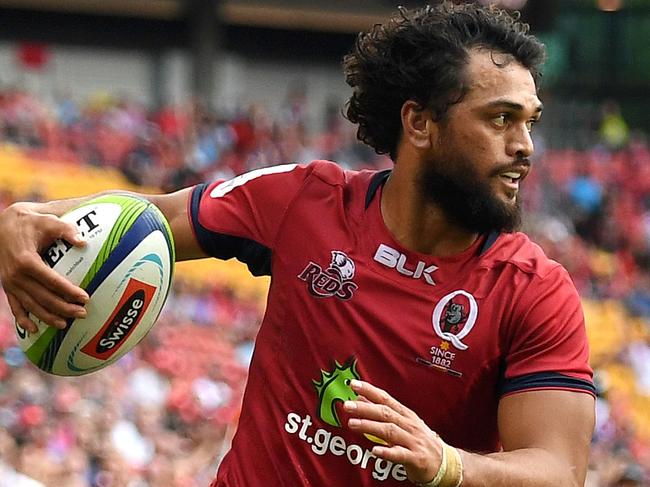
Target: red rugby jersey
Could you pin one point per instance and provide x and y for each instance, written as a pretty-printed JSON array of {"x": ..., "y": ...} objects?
[{"x": 446, "y": 336}]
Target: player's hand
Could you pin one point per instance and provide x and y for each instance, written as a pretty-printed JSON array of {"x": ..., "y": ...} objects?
[
  {"x": 409, "y": 440},
  {"x": 30, "y": 285}
]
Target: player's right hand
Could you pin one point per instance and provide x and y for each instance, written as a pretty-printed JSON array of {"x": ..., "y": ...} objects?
[{"x": 30, "y": 284}]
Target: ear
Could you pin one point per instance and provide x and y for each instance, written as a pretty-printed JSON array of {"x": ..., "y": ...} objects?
[{"x": 417, "y": 125}]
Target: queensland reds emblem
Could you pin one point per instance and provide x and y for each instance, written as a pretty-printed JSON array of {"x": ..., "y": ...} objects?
[
  {"x": 336, "y": 280},
  {"x": 454, "y": 317}
]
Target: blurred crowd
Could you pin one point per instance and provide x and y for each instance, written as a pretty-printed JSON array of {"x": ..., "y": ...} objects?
[
  {"x": 176, "y": 145},
  {"x": 164, "y": 415}
]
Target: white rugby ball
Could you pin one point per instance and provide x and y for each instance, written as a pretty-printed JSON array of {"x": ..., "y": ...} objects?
[{"x": 126, "y": 268}]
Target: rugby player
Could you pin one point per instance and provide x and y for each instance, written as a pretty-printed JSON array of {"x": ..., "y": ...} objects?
[{"x": 411, "y": 333}]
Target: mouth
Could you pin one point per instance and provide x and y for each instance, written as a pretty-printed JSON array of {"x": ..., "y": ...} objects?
[{"x": 511, "y": 179}]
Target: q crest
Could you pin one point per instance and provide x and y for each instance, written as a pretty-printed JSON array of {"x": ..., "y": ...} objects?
[{"x": 453, "y": 319}]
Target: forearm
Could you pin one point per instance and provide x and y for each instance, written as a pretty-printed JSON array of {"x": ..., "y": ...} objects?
[
  {"x": 57, "y": 207},
  {"x": 173, "y": 206},
  {"x": 27, "y": 229},
  {"x": 528, "y": 467},
  {"x": 60, "y": 207},
  {"x": 558, "y": 423}
]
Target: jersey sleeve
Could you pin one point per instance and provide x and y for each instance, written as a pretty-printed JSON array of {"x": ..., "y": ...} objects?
[
  {"x": 548, "y": 346},
  {"x": 241, "y": 217}
]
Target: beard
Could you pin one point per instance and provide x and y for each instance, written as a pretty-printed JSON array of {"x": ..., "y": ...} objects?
[{"x": 466, "y": 198}]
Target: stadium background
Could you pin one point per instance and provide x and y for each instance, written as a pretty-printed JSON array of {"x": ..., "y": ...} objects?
[{"x": 97, "y": 94}]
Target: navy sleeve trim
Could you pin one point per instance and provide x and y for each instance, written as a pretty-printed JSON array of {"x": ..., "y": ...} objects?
[
  {"x": 255, "y": 255},
  {"x": 545, "y": 380}
]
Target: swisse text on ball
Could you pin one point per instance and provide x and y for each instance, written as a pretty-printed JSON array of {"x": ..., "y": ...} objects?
[
  {"x": 129, "y": 311},
  {"x": 126, "y": 318}
]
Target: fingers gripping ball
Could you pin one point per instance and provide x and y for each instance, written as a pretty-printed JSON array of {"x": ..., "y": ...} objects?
[{"x": 126, "y": 269}]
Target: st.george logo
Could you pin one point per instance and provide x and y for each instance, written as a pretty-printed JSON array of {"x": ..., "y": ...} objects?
[
  {"x": 333, "y": 388},
  {"x": 335, "y": 280}
]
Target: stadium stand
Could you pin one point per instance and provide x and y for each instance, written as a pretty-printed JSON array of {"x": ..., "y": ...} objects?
[{"x": 176, "y": 407}]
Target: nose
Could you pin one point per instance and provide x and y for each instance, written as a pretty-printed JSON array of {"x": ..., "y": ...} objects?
[{"x": 520, "y": 143}]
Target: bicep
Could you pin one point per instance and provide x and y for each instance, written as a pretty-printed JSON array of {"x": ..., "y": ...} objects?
[
  {"x": 175, "y": 208},
  {"x": 559, "y": 422}
]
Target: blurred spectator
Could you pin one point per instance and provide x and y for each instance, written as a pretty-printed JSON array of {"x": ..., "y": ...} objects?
[
  {"x": 614, "y": 131},
  {"x": 632, "y": 476}
]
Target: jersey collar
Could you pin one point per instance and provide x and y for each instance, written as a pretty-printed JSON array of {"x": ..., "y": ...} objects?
[
  {"x": 380, "y": 178},
  {"x": 377, "y": 181}
]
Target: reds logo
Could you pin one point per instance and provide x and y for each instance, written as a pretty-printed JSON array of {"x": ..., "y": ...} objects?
[
  {"x": 336, "y": 280},
  {"x": 450, "y": 320}
]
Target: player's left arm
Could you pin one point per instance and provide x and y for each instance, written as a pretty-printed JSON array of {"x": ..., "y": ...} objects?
[
  {"x": 545, "y": 414},
  {"x": 545, "y": 436}
]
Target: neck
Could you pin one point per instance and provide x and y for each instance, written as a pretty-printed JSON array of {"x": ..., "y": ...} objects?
[{"x": 415, "y": 222}]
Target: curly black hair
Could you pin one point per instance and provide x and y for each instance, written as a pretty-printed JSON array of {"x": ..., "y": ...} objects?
[{"x": 421, "y": 55}]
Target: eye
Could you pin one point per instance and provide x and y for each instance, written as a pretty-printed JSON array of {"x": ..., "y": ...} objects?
[
  {"x": 531, "y": 123},
  {"x": 348, "y": 382},
  {"x": 500, "y": 120}
]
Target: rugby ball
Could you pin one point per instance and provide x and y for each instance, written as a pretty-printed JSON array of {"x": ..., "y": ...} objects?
[{"x": 126, "y": 268}]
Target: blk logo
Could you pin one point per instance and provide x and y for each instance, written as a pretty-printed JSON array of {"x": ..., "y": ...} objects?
[{"x": 394, "y": 259}]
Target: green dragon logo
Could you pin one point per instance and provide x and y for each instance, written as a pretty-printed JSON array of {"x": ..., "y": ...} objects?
[{"x": 334, "y": 387}]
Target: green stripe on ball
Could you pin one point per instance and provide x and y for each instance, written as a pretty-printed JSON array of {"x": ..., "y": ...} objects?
[{"x": 131, "y": 209}]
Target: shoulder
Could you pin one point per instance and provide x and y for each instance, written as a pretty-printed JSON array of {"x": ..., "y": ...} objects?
[
  {"x": 325, "y": 182},
  {"x": 518, "y": 251},
  {"x": 290, "y": 178},
  {"x": 333, "y": 174},
  {"x": 319, "y": 171},
  {"x": 542, "y": 290},
  {"x": 327, "y": 171}
]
